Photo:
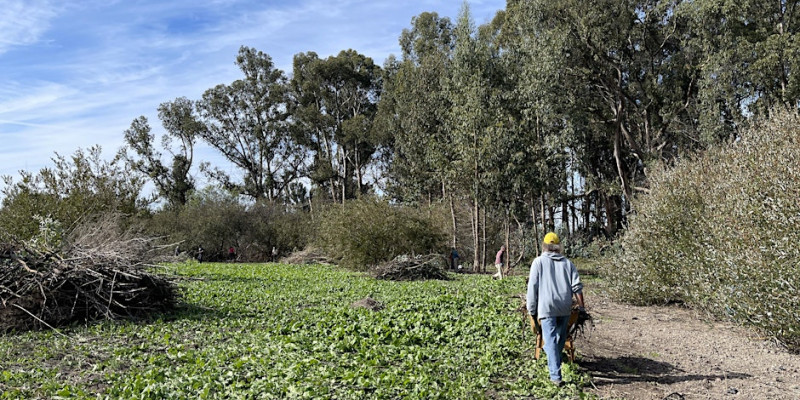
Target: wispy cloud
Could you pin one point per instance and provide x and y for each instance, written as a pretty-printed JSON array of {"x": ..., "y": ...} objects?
[{"x": 22, "y": 22}]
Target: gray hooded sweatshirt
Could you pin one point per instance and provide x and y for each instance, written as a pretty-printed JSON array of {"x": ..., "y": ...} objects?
[{"x": 552, "y": 282}]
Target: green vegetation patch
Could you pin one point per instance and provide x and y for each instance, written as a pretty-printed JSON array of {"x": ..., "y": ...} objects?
[{"x": 285, "y": 331}]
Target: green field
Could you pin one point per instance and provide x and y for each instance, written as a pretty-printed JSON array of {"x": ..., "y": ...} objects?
[{"x": 252, "y": 331}]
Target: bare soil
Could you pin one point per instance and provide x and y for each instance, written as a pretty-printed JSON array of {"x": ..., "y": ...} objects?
[{"x": 670, "y": 352}]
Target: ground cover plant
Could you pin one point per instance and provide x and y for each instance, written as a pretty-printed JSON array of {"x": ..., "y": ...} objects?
[{"x": 289, "y": 331}]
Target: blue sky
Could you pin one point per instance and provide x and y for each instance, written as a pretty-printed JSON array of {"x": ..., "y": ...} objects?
[{"x": 75, "y": 73}]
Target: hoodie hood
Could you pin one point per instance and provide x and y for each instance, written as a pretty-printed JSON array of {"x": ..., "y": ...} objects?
[{"x": 553, "y": 256}]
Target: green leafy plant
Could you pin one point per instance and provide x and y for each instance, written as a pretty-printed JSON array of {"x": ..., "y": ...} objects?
[{"x": 286, "y": 331}]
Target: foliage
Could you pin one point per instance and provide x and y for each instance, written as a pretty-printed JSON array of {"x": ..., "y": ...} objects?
[
  {"x": 749, "y": 60},
  {"x": 283, "y": 331},
  {"x": 73, "y": 190},
  {"x": 719, "y": 232},
  {"x": 333, "y": 104},
  {"x": 178, "y": 118},
  {"x": 246, "y": 123},
  {"x": 362, "y": 233},
  {"x": 217, "y": 220},
  {"x": 411, "y": 106}
]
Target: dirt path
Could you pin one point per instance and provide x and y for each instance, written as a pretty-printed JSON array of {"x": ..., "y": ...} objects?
[{"x": 671, "y": 353}]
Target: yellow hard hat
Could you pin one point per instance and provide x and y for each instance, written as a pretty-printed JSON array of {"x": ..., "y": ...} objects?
[{"x": 551, "y": 238}]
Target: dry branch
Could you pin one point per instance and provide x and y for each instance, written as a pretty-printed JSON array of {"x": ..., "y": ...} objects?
[
  {"x": 405, "y": 268},
  {"x": 101, "y": 275}
]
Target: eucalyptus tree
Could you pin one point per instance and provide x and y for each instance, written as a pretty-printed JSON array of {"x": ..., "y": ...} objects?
[
  {"x": 246, "y": 122},
  {"x": 422, "y": 145},
  {"x": 750, "y": 59},
  {"x": 173, "y": 183},
  {"x": 515, "y": 174},
  {"x": 470, "y": 118},
  {"x": 624, "y": 83},
  {"x": 333, "y": 106},
  {"x": 415, "y": 104}
]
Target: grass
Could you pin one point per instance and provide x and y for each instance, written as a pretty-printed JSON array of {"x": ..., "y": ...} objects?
[{"x": 283, "y": 331}]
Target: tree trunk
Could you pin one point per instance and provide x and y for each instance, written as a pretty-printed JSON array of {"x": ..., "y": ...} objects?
[
  {"x": 543, "y": 214},
  {"x": 359, "y": 176},
  {"x": 453, "y": 216},
  {"x": 508, "y": 241},
  {"x": 343, "y": 178},
  {"x": 574, "y": 200},
  {"x": 475, "y": 239},
  {"x": 483, "y": 242}
]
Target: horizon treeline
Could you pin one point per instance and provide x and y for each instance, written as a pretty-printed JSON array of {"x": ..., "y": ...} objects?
[{"x": 549, "y": 117}]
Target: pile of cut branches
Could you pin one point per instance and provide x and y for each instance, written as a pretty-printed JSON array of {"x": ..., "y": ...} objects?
[
  {"x": 98, "y": 276},
  {"x": 306, "y": 257},
  {"x": 405, "y": 268}
]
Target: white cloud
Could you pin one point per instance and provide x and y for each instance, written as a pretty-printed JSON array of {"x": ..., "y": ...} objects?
[{"x": 22, "y": 22}]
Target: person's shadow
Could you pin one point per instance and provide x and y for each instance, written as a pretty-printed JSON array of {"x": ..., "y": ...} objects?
[{"x": 624, "y": 369}]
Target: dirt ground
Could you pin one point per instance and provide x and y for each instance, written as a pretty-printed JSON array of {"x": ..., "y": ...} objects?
[{"x": 673, "y": 353}]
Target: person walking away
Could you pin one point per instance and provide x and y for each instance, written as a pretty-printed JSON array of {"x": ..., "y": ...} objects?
[
  {"x": 231, "y": 254},
  {"x": 553, "y": 281},
  {"x": 498, "y": 263}
]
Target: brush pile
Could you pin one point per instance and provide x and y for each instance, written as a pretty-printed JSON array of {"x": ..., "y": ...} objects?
[
  {"x": 307, "y": 257},
  {"x": 405, "y": 268},
  {"x": 98, "y": 276}
]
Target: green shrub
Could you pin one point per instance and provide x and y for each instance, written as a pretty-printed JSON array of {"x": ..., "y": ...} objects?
[
  {"x": 363, "y": 233},
  {"x": 217, "y": 220},
  {"x": 719, "y": 233},
  {"x": 75, "y": 189}
]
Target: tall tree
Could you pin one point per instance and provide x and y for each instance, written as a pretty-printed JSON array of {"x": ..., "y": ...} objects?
[
  {"x": 422, "y": 145},
  {"x": 333, "y": 106},
  {"x": 246, "y": 122},
  {"x": 750, "y": 56},
  {"x": 469, "y": 119},
  {"x": 173, "y": 183},
  {"x": 625, "y": 85}
]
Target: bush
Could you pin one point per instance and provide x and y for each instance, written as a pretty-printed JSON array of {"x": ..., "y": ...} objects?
[
  {"x": 72, "y": 191},
  {"x": 363, "y": 233},
  {"x": 719, "y": 233},
  {"x": 217, "y": 220}
]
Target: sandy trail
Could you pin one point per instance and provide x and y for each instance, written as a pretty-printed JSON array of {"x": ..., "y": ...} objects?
[{"x": 670, "y": 352}]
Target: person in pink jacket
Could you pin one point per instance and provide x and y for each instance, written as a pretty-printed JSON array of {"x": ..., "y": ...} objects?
[{"x": 498, "y": 263}]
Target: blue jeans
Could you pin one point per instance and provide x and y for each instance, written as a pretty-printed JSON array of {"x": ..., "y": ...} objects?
[{"x": 554, "y": 333}]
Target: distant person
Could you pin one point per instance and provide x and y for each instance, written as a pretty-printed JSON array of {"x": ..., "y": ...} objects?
[
  {"x": 274, "y": 255},
  {"x": 552, "y": 282},
  {"x": 231, "y": 254},
  {"x": 498, "y": 263},
  {"x": 177, "y": 250},
  {"x": 200, "y": 252},
  {"x": 453, "y": 258}
]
